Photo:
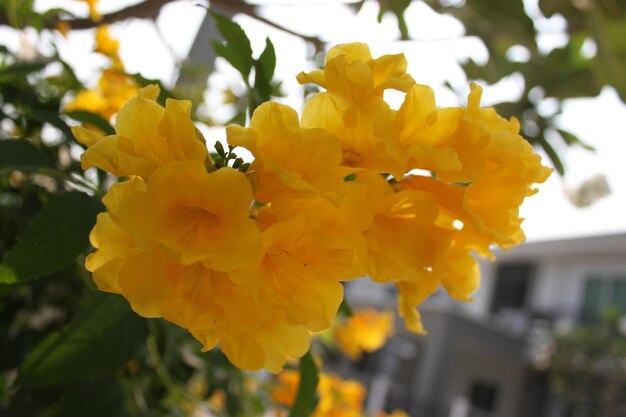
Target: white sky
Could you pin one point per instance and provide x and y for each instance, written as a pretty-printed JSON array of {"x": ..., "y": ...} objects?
[{"x": 153, "y": 50}]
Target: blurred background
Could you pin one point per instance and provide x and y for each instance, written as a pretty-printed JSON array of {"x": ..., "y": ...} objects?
[{"x": 545, "y": 335}]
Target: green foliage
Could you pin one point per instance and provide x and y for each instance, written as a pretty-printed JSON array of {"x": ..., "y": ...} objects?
[
  {"x": 307, "y": 389},
  {"x": 587, "y": 368},
  {"x": 92, "y": 119},
  {"x": 52, "y": 239},
  {"x": 397, "y": 8},
  {"x": 103, "y": 336},
  {"x": 21, "y": 154},
  {"x": 236, "y": 47},
  {"x": 97, "y": 399},
  {"x": 237, "y": 51},
  {"x": 264, "y": 71}
]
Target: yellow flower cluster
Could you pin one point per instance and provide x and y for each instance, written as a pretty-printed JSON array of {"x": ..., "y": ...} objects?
[
  {"x": 114, "y": 88},
  {"x": 255, "y": 262},
  {"x": 364, "y": 331},
  {"x": 337, "y": 397}
]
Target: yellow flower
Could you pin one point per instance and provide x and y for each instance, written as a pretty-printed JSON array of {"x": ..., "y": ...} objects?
[
  {"x": 403, "y": 241},
  {"x": 337, "y": 397},
  {"x": 115, "y": 88},
  {"x": 148, "y": 136},
  {"x": 350, "y": 70},
  {"x": 93, "y": 9},
  {"x": 92, "y": 101},
  {"x": 195, "y": 216},
  {"x": 355, "y": 84},
  {"x": 423, "y": 132},
  {"x": 113, "y": 243},
  {"x": 364, "y": 331},
  {"x": 295, "y": 268},
  {"x": 288, "y": 159},
  {"x": 251, "y": 331},
  {"x": 107, "y": 45}
]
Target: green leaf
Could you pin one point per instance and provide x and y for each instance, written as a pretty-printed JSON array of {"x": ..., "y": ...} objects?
[
  {"x": 52, "y": 239},
  {"x": 344, "y": 308},
  {"x": 92, "y": 119},
  {"x": 20, "y": 69},
  {"x": 99, "y": 341},
  {"x": 306, "y": 396},
  {"x": 236, "y": 48},
  {"x": 264, "y": 71},
  {"x": 97, "y": 399},
  {"x": 552, "y": 154},
  {"x": 21, "y": 154},
  {"x": 397, "y": 7},
  {"x": 52, "y": 117},
  {"x": 572, "y": 139}
]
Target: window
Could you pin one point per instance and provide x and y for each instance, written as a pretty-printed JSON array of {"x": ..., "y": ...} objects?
[
  {"x": 602, "y": 292},
  {"x": 483, "y": 395},
  {"x": 511, "y": 287}
]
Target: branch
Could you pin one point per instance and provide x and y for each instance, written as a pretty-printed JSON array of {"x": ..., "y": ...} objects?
[{"x": 149, "y": 9}]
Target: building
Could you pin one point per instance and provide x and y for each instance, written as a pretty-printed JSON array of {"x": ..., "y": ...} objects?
[{"x": 486, "y": 358}]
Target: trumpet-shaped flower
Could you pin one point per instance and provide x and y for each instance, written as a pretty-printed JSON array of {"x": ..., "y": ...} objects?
[
  {"x": 288, "y": 159},
  {"x": 113, "y": 243},
  {"x": 148, "y": 136},
  {"x": 355, "y": 84},
  {"x": 251, "y": 330},
  {"x": 195, "y": 216}
]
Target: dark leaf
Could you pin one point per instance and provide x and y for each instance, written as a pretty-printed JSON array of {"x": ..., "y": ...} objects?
[
  {"x": 344, "y": 307},
  {"x": 21, "y": 154},
  {"x": 103, "y": 336},
  {"x": 236, "y": 47},
  {"x": 264, "y": 71},
  {"x": 305, "y": 398},
  {"x": 97, "y": 399},
  {"x": 52, "y": 239},
  {"x": 92, "y": 119},
  {"x": 572, "y": 139},
  {"x": 552, "y": 154},
  {"x": 20, "y": 69}
]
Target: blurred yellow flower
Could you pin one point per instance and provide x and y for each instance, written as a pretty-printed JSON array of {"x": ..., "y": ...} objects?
[
  {"x": 337, "y": 397},
  {"x": 115, "y": 89},
  {"x": 108, "y": 46},
  {"x": 365, "y": 330},
  {"x": 93, "y": 9}
]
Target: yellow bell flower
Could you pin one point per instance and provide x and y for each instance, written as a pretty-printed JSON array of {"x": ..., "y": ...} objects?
[
  {"x": 148, "y": 136},
  {"x": 113, "y": 243},
  {"x": 364, "y": 331},
  {"x": 288, "y": 159},
  {"x": 350, "y": 70},
  {"x": 195, "y": 216},
  {"x": 355, "y": 84}
]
